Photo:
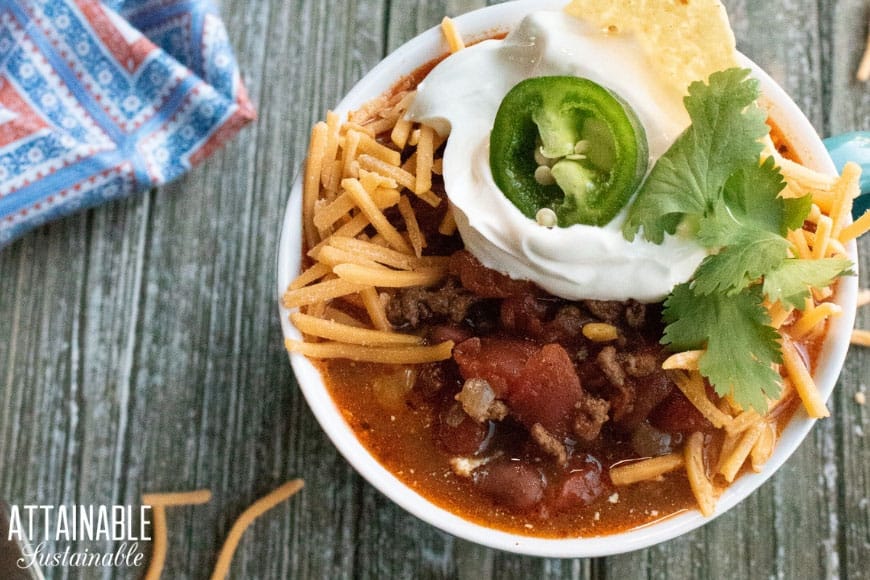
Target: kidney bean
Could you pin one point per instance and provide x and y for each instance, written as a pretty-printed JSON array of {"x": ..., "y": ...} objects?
[
  {"x": 677, "y": 414},
  {"x": 649, "y": 391},
  {"x": 647, "y": 441},
  {"x": 460, "y": 434},
  {"x": 434, "y": 378},
  {"x": 583, "y": 483},
  {"x": 452, "y": 332},
  {"x": 513, "y": 484}
]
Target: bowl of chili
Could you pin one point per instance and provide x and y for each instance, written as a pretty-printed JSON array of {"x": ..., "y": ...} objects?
[{"x": 410, "y": 62}]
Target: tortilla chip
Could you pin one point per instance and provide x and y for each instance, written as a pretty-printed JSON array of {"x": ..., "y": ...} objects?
[{"x": 686, "y": 40}]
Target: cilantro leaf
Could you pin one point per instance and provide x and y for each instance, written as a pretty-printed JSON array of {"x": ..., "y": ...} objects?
[
  {"x": 752, "y": 197},
  {"x": 790, "y": 282},
  {"x": 795, "y": 211},
  {"x": 748, "y": 222},
  {"x": 749, "y": 254},
  {"x": 740, "y": 344},
  {"x": 727, "y": 125}
]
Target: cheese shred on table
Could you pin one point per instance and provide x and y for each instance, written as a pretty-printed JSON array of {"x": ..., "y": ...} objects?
[{"x": 160, "y": 501}]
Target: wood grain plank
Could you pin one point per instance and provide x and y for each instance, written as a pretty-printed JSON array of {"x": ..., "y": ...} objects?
[
  {"x": 254, "y": 430},
  {"x": 69, "y": 324},
  {"x": 849, "y": 104},
  {"x": 212, "y": 346}
]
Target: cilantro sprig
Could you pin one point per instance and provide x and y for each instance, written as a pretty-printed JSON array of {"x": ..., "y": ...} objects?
[
  {"x": 741, "y": 344},
  {"x": 711, "y": 185}
]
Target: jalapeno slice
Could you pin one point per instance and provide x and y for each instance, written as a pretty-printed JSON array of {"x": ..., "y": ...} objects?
[{"x": 567, "y": 145}]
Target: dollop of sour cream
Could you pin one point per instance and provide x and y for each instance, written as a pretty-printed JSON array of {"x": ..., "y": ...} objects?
[{"x": 461, "y": 97}]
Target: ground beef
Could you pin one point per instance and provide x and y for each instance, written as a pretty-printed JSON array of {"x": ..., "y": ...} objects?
[
  {"x": 567, "y": 324},
  {"x": 610, "y": 366},
  {"x": 411, "y": 307},
  {"x": 641, "y": 364},
  {"x": 549, "y": 443},
  {"x": 635, "y": 314},
  {"x": 637, "y": 382},
  {"x": 606, "y": 310},
  {"x": 590, "y": 416},
  {"x": 632, "y": 312}
]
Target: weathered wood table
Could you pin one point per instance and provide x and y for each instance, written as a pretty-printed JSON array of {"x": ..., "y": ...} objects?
[{"x": 140, "y": 347}]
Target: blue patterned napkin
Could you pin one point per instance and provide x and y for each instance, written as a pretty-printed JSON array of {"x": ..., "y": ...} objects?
[{"x": 99, "y": 100}]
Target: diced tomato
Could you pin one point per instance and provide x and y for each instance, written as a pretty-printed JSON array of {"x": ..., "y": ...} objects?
[
  {"x": 497, "y": 361},
  {"x": 540, "y": 384},
  {"x": 485, "y": 282},
  {"x": 546, "y": 391}
]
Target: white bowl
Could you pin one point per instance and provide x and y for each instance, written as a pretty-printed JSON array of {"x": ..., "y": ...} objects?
[{"x": 420, "y": 50}]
